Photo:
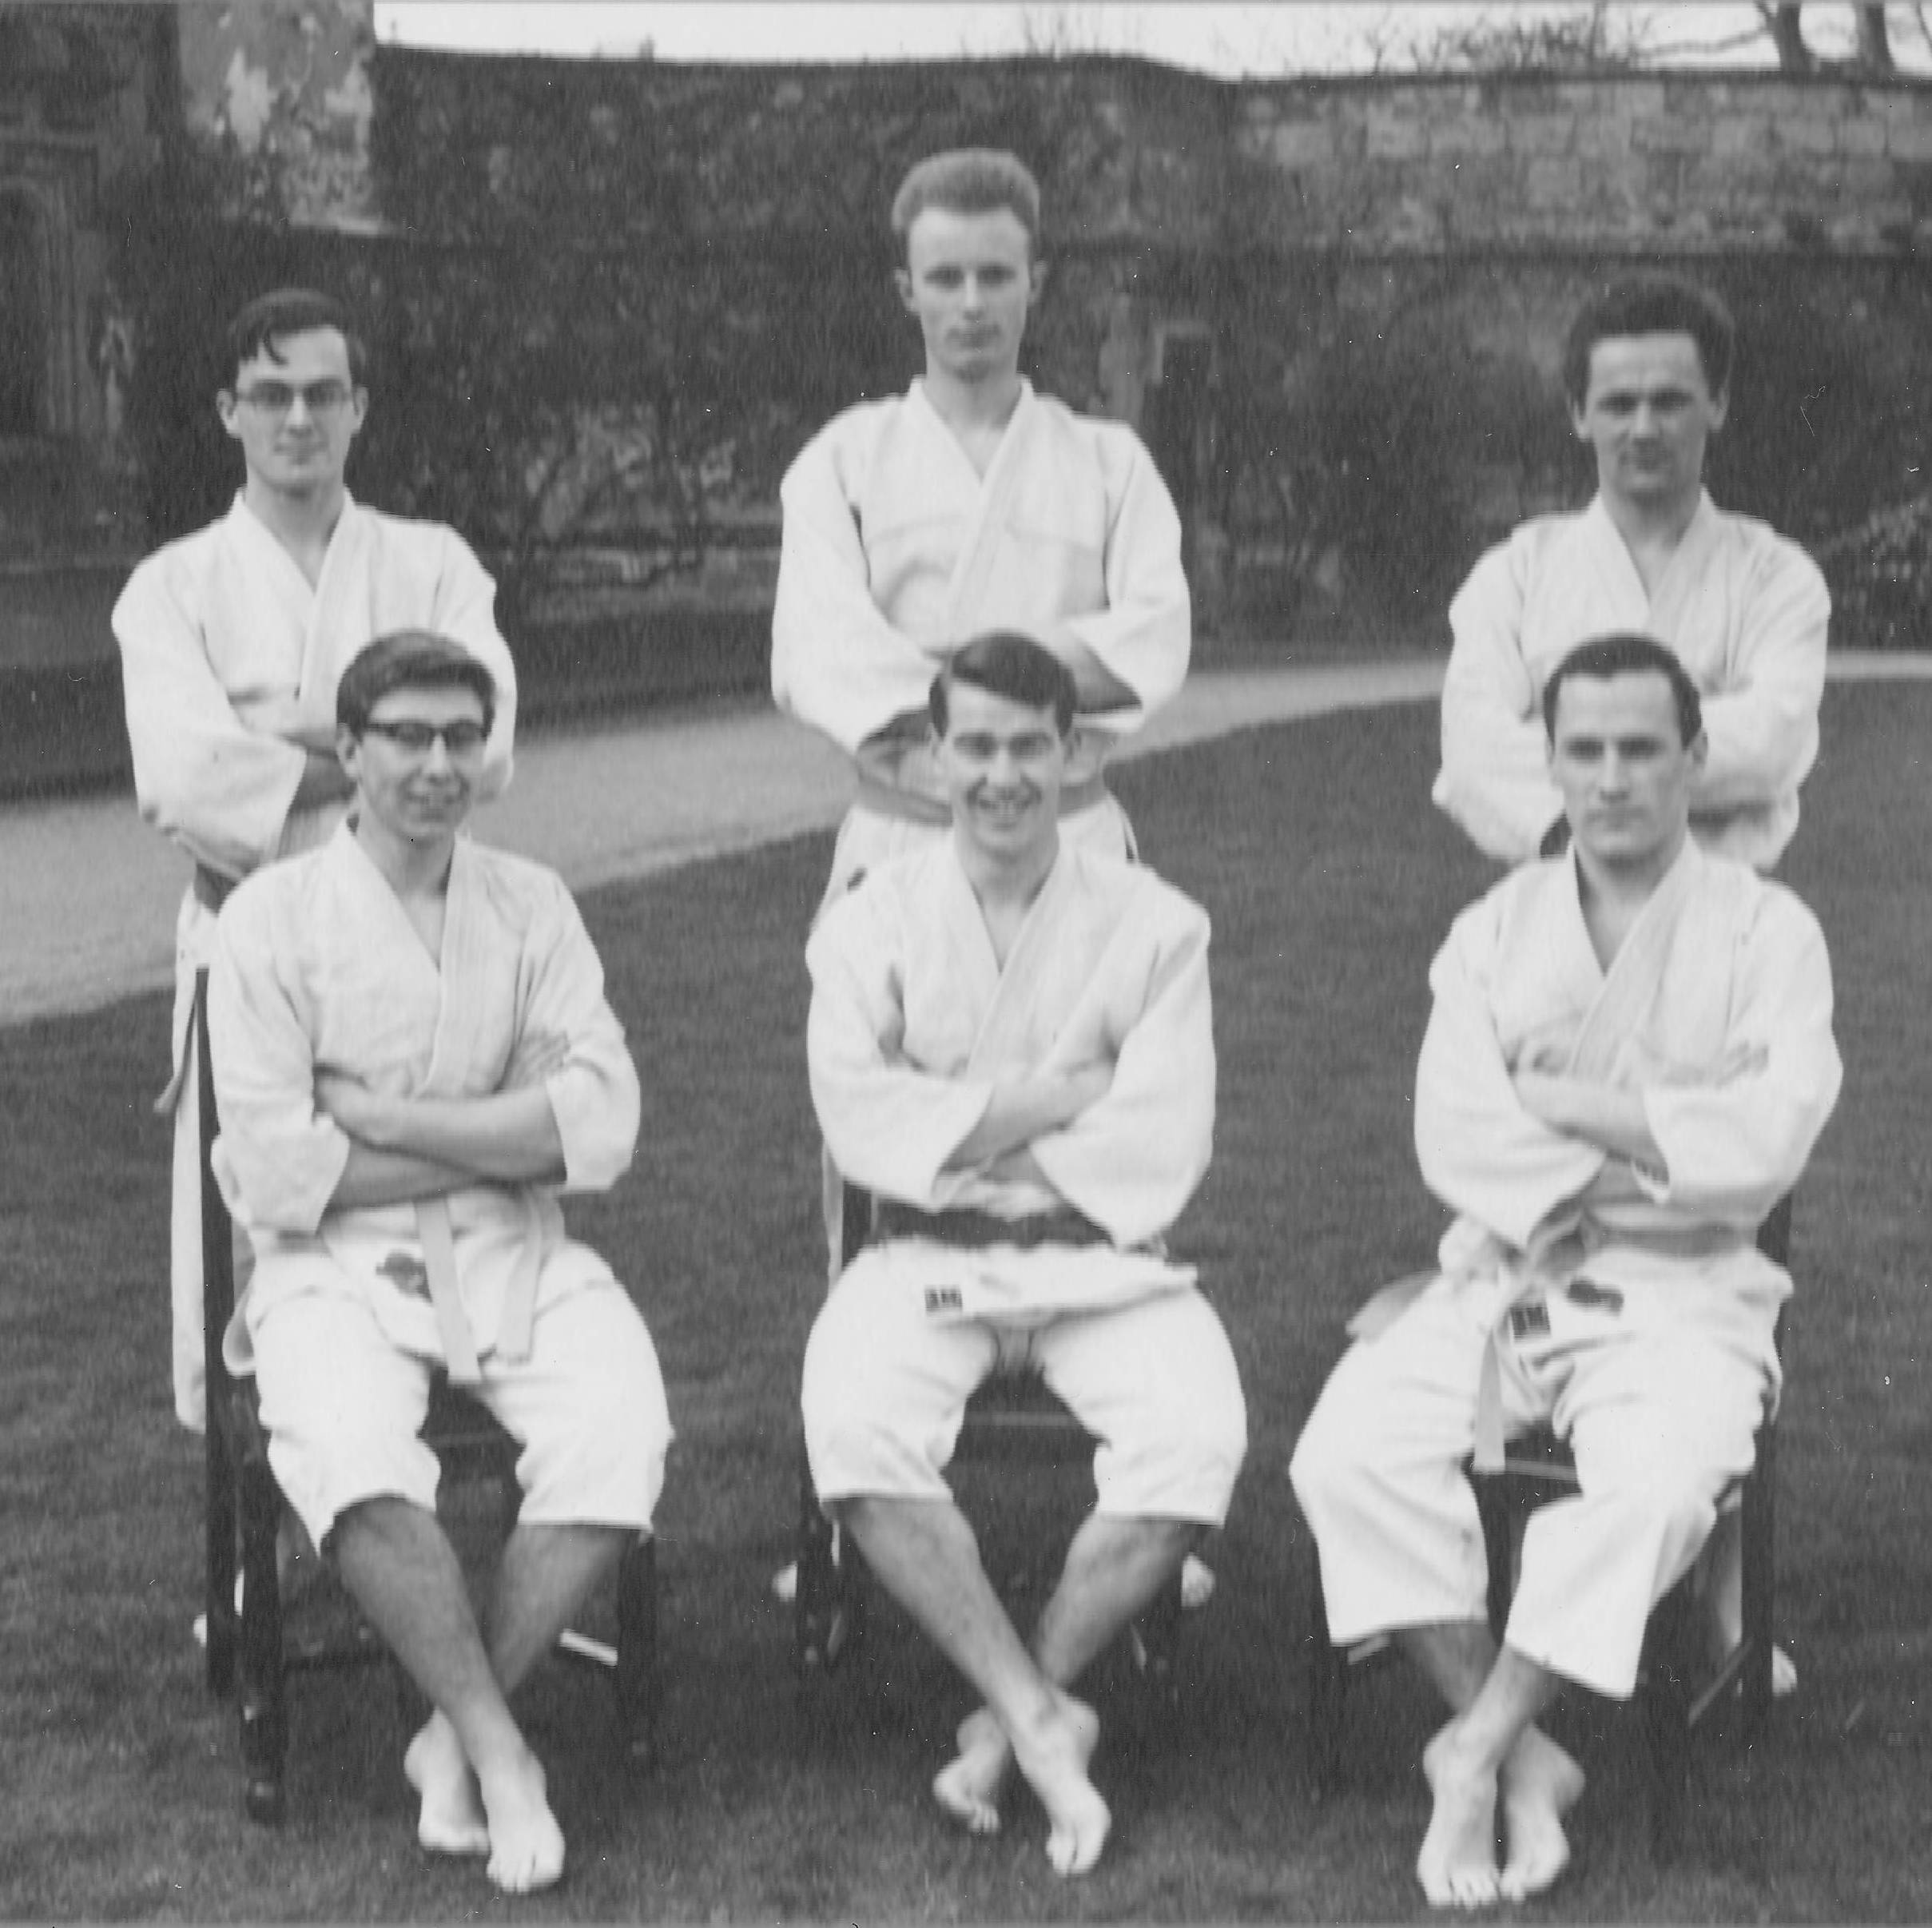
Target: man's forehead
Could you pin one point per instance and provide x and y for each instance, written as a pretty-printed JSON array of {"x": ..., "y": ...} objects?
[
  {"x": 950, "y": 234},
  {"x": 1632, "y": 361},
  {"x": 426, "y": 702},
  {"x": 972, "y": 710},
  {"x": 319, "y": 351},
  {"x": 1633, "y": 701}
]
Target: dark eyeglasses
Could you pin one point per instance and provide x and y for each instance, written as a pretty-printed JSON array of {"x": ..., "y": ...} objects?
[
  {"x": 462, "y": 739},
  {"x": 278, "y": 397}
]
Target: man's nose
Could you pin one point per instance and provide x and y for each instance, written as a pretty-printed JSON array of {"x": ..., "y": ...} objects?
[
  {"x": 299, "y": 413},
  {"x": 437, "y": 761}
]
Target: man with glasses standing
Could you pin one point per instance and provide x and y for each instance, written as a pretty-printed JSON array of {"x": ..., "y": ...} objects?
[{"x": 233, "y": 640}]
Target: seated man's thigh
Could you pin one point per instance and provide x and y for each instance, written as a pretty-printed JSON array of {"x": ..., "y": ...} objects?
[
  {"x": 1156, "y": 1384},
  {"x": 886, "y": 1383},
  {"x": 342, "y": 1406},
  {"x": 587, "y": 1407},
  {"x": 1662, "y": 1411}
]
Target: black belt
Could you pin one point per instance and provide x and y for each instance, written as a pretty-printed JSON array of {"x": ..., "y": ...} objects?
[{"x": 976, "y": 1230}]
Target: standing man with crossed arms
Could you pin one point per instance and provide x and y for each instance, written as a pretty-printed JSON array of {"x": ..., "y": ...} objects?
[
  {"x": 233, "y": 640},
  {"x": 971, "y": 503},
  {"x": 1648, "y": 370}
]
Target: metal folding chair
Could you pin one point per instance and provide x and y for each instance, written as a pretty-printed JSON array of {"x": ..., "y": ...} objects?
[{"x": 253, "y": 1652}]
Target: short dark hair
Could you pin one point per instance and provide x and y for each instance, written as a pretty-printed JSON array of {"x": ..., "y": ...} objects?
[
  {"x": 1651, "y": 305},
  {"x": 968, "y": 180},
  {"x": 1004, "y": 663},
  {"x": 409, "y": 659},
  {"x": 271, "y": 319},
  {"x": 1627, "y": 653}
]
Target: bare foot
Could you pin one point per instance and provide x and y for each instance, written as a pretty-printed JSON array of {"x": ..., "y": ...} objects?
[
  {"x": 452, "y": 1820},
  {"x": 1457, "y": 1866},
  {"x": 1196, "y": 1584},
  {"x": 969, "y": 1788},
  {"x": 1053, "y": 1759},
  {"x": 526, "y": 1843},
  {"x": 1540, "y": 1784}
]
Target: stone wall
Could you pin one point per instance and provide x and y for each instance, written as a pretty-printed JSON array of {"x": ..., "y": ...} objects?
[{"x": 1685, "y": 163}]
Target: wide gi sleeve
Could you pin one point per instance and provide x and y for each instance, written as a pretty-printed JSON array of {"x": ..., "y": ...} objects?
[
  {"x": 201, "y": 776},
  {"x": 1736, "y": 1142},
  {"x": 1481, "y": 1151},
  {"x": 1132, "y": 1161},
  {"x": 278, "y": 1160},
  {"x": 1762, "y": 725},
  {"x": 593, "y": 1090},
  {"x": 466, "y": 612},
  {"x": 1143, "y": 637},
  {"x": 837, "y": 664},
  {"x": 890, "y": 1126},
  {"x": 1495, "y": 781}
]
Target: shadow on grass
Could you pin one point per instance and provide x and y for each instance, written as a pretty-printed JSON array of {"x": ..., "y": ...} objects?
[{"x": 1330, "y": 882}]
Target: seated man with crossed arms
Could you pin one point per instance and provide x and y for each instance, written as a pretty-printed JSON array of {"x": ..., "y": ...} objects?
[
  {"x": 1010, "y": 1045},
  {"x": 413, "y": 1056},
  {"x": 1629, "y": 1059}
]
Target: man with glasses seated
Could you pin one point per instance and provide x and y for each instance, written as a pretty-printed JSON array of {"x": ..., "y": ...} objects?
[
  {"x": 233, "y": 640},
  {"x": 413, "y": 1057}
]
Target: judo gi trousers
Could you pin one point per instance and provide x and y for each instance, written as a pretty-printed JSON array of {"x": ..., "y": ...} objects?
[{"x": 1660, "y": 1417}]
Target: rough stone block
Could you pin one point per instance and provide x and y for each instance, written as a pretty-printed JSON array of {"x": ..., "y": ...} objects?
[
  {"x": 1739, "y": 134},
  {"x": 1684, "y": 135},
  {"x": 1804, "y": 135},
  {"x": 1300, "y": 144},
  {"x": 1542, "y": 133},
  {"x": 1473, "y": 136},
  {"x": 1554, "y": 183},
  {"x": 1861, "y": 137},
  {"x": 1909, "y": 140},
  {"x": 1392, "y": 138}
]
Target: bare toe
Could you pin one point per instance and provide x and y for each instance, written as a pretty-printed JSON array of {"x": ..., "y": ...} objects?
[{"x": 1457, "y": 1866}]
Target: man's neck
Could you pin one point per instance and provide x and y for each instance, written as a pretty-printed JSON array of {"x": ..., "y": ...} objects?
[
  {"x": 1614, "y": 894},
  {"x": 415, "y": 871},
  {"x": 1652, "y": 527},
  {"x": 969, "y": 408},
  {"x": 1006, "y": 889},
  {"x": 302, "y": 523}
]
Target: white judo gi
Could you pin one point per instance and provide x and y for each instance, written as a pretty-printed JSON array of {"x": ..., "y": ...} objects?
[
  {"x": 913, "y": 1022},
  {"x": 229, "y": 663},
  {"x": 317, "y": 967},
  {"x": 1744, "y": 609},
  {"x": 1630, "y": 1307},
  {"x": 896, "y": 550}
]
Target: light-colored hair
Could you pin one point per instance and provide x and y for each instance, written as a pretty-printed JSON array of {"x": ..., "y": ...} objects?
[{"x": 968, "y": 180}]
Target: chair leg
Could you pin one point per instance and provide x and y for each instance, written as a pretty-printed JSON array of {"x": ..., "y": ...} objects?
[
  {"x": 264, "y": 1682},
  {"x": 637, "y": 1650},
  {"x": 1666, "y": 1697},
  {"x": 220, "y": 1523},
  {"x": 1157, "y": 1645},
  {"x": 1328, "y": 1693},
  {"x": 1760, "y": 1551},
  {"x": 827, "y": 1609}
]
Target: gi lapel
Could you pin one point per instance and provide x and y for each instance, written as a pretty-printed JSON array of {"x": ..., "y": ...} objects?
[{"x": 976, "y": 568}]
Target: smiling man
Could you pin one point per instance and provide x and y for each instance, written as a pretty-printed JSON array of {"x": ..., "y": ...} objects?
[
  {"x": 413, "y": 1057},
  {"x": 1648, "y": 372},
  {"x": 1629, "y": 1060},
  {"x": 232, "y": 643},
  {"x": 1010, "y": 1046},
  {"x": 970, "y": 504}
]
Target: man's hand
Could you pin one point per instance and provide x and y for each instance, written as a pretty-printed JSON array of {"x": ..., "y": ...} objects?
[
  {"x": 365, "y": 1116},
  {"x": 1022, "y": 1109}
]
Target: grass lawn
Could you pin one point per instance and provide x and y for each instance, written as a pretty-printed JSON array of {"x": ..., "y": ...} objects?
[{"x": 1330, "y": 881}]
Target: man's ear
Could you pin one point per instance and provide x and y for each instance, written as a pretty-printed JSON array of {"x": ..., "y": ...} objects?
[
  {"x": 348, "y": 752},
  {"x": 224, "y": 407},
  {"x": 902, "y": 279},
  {"x": 1720, "y": 409},
  {"x": 1700, "y": 750},
  {"x": 1037, "y": 280}
]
